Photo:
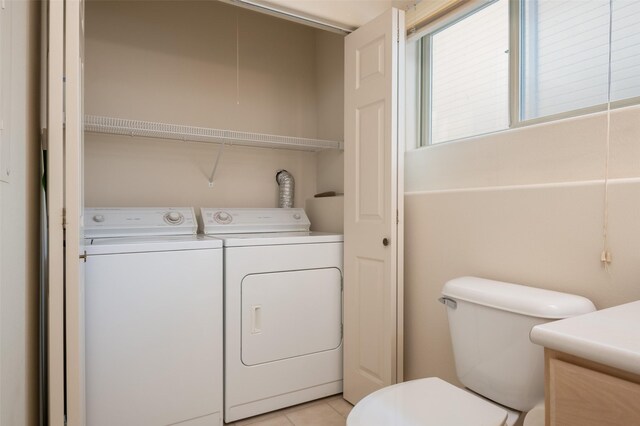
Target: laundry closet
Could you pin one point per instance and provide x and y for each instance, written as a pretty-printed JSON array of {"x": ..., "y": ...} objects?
[
  {"x": 200, "y": 104},
  {"x": 216, "y": 66},
  {"x": 171, "y": 107}
]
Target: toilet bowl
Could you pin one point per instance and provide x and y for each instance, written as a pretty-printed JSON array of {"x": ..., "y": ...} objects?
[{"x": 489, "y": 323}]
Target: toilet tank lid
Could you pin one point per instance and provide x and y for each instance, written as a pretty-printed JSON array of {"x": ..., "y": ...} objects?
[{"x": 520, "y": 299}]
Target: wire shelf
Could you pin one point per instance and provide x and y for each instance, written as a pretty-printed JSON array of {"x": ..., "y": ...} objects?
[{"x": 125, "y": 127}]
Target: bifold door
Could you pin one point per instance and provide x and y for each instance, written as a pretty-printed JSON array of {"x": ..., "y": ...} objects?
[
  {"x": 65, "y": 304},
  {"x": 373, "y": 240}
]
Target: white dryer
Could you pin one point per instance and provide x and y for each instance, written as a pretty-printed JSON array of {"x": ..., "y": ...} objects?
[
  {"x": 283, "y": 309},
  {"x": 153, "y": 319}
]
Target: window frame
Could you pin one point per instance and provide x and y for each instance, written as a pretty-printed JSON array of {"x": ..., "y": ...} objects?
[{"x": 423, "y": 39}]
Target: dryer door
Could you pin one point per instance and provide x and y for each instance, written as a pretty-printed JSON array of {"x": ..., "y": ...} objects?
[{"x": 290, "y": 314}]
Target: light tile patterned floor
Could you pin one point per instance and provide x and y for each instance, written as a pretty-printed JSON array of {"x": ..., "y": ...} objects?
[{"x": 331, "y": 411}]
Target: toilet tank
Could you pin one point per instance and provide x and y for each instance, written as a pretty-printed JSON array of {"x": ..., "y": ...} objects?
[{"x": 489, "y": 323}]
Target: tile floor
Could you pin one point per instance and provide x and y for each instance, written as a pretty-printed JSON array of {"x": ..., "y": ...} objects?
[{"x": 331, "y": 411}]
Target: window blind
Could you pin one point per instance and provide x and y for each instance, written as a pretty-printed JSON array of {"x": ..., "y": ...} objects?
[
  {"x": 565, "y": 54},
  {"x": 470, "y": 75}
]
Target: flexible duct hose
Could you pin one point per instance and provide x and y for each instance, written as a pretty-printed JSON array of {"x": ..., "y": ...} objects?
[{"x": 287, "y": 184}]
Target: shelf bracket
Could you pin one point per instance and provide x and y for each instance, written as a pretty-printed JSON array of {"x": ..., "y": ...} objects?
[{"x": 215, "y": 165}]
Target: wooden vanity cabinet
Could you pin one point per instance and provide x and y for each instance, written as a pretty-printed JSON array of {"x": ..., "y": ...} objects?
[{"x": 579, "y": 392}]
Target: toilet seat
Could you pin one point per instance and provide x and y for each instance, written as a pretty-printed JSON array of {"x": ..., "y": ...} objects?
[{"x": 425, "y": 402}]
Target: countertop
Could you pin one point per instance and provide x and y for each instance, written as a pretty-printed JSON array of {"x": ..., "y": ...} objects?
[{"x": 609, "y": 336}]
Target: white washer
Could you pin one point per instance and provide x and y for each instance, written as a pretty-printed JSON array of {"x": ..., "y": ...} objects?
[
  {"x": 153, "y": 319},
  {"x": 283, "y": 309}
]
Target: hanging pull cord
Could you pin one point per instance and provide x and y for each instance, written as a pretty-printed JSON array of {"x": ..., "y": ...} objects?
[
  {"x": 215, "y": 166},
  {"x": 237, "y": 58},
  {"x": 605, "y": 256}
]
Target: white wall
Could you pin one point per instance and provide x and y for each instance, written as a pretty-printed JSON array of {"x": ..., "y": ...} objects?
[
  {"x": 524, "y": 206},
  {"x": 19, "y": 211},
  {"x": 176, "y": 62}
]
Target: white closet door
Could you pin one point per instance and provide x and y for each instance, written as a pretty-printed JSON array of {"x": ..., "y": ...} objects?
[
  {"x": 374, "y": 66},
  {"x": 55, "y": 205},
  {"x": 65, "y": 205},
  {"x": 74, "y": 207}
]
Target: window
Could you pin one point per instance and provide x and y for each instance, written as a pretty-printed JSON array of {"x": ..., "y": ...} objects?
[
  {"x": 625, "y": 52},
  {"x": 565, "y": 55},
  {"x": 470, "y": 78},
  {"x": 561, "y": 67}
]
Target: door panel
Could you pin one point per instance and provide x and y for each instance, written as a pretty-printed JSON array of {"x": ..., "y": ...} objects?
[
  {"x": 370, "y": 164},
  {"x": 289, "y": 314},
  {"x": 370, "y": 61},
  {"x": 371, "y": 353},
  {"x": 373, "y": 206}
]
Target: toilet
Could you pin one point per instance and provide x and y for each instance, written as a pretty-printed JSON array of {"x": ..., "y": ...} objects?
[{"x": 502, "y": 371}]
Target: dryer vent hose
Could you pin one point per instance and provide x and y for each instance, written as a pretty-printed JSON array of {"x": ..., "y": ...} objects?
[{"x": 286, "y": 184}]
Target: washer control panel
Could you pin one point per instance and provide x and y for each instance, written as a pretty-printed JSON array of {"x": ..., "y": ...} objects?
[
  {"x": 139, "y": 221},
  {"x": 241, "y": 221}
]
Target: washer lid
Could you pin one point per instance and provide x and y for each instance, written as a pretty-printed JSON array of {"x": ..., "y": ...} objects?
[
  {"x": 139, "y": 221},
  {"x": 277, "y": 238},
  {"x": 241, "y": 221},
  {"x": 96, "y": 246},
  {"x": 425, "y": 402}
]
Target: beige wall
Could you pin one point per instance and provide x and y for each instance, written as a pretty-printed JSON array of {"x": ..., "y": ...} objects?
[
  {"x": 176, "y": 62},
  {"x": 561, "y": 151},
  {"x": 524, "y": 206},
  {"x": 128, "y": 172},
  {"x": 19, "y": 212},
  {"x": 330, "y": 87},
  {"x": 326, "y": 214}
]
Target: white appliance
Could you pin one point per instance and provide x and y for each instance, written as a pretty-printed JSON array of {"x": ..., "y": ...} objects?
[
  {"x": 283, "y": 309},
  {"x": 153, "y": 309}
]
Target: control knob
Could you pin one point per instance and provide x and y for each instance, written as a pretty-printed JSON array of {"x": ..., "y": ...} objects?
[
  {"x": 222, "y": 217},
  {"x": 173, "y": 218},
  {"x": 98, "y": 218}
]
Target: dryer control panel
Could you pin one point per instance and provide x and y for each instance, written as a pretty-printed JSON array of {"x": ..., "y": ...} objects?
[
  {"x": 143, "y": 221},
  {"x": 241, "y": 221}
]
